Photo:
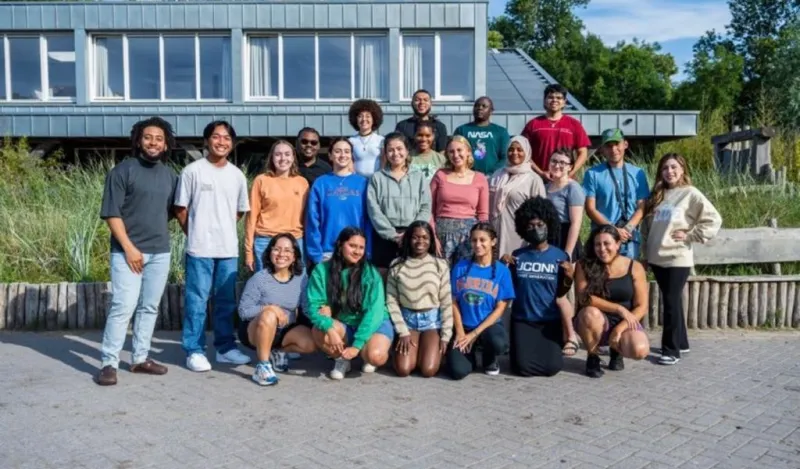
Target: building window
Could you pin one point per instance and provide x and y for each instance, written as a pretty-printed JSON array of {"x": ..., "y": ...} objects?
[
  {"x": 161, "y": 67},
  {"x": 441, "y": 63},
  {"x": 37, "y": 67},
  {"x": 325, "y": 67}
]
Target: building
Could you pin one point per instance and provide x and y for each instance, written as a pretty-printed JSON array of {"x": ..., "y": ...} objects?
[{"x": 79, "y": 74}]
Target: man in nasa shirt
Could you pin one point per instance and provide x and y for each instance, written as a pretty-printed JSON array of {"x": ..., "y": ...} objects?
[{"x": 541, "y": 315}]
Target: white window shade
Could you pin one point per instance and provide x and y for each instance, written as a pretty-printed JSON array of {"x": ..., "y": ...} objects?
[{"x": 372, "y": 76}]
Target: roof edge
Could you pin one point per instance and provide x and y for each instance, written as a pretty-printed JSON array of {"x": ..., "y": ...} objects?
[{"x": 570, "y": 97}]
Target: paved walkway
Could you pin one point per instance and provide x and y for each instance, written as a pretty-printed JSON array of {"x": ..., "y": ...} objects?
[{"x": 734, "y": 402}]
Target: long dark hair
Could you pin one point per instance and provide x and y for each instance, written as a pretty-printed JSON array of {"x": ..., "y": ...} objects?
[
  {"x": 488, "y": 228},
  {"x": 353, "y": 296},
  {"x": 593, "y": 268},
  {"x": 405, "y": 248},
  {"x": 297, "y": 265}
]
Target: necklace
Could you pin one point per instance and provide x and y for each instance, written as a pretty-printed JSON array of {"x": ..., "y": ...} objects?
[{"x": 364, "y": 139}]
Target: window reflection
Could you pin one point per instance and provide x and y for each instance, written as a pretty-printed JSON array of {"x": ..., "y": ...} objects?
[
  {"x": 143, "y": 67},
  {"x": 334, "y": 67},
  {"x": 298, "y": 70},
  {"x": 26, "y": 77},
  {"x": 179, "y": 72}
]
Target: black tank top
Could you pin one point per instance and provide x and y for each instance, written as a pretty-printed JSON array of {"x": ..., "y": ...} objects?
[{"x": 620, "y": 289}]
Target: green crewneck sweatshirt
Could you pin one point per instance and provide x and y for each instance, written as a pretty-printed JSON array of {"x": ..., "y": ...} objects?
[
  {"x": 488, "y": 143},
  {"x": 373, "y": 306}
]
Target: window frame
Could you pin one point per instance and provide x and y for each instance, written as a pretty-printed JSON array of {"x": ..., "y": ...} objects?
[
  {"x": 125, "y": 98},
  {"x": 352, "y": 35},
  {"x": 44, "y": 68},
  {"x": 437, "y": 65}
]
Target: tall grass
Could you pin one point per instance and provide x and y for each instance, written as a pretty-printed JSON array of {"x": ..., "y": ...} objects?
[{"x": 50, "y": 230}]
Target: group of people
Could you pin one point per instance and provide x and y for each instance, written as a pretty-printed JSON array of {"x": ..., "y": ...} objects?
[{"x": 410, "y": 246}]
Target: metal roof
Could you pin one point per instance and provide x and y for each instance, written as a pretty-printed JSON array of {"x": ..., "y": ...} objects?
[{"x": 516, "y": 82}]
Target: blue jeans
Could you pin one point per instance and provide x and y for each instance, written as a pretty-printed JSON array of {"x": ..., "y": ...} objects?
[
  {"x": 260, "y": 244},
  {"x": 216, "y": 278},
  {"x": 133, "y": 293}
]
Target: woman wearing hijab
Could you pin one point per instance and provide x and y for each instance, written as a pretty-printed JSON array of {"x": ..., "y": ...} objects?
[{"x": 509, "y": 187}]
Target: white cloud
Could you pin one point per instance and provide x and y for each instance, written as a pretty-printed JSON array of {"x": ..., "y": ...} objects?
[{"x": 653, "y": 20}]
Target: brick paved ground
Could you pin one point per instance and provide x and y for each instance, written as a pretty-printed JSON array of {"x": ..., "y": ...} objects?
[{"x": 733, "y": 403}]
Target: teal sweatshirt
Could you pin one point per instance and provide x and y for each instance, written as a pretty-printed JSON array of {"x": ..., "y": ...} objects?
[{"x": 392, "y": 203}]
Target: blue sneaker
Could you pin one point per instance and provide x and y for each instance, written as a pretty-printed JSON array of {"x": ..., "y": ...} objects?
[{"x": 264, "y": 375}]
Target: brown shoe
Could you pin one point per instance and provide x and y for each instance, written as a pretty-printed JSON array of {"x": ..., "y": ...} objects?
[
  {"x": 149, "y": 367},
  {"x": 107, "y": 376}
]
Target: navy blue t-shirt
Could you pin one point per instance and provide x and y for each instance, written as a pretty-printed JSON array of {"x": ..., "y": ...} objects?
[
  {"x": 477, "y": 294},
  {"x": 536, "y": 279}
]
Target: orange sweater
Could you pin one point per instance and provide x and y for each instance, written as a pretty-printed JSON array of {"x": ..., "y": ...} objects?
[{"x": 276, "y": 206}]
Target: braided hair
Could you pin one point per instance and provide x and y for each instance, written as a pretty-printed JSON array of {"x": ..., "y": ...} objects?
[{"x": 406, "y": 249}]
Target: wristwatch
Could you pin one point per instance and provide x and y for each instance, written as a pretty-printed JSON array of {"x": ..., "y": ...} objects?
[{"x": 629, "y": 228}]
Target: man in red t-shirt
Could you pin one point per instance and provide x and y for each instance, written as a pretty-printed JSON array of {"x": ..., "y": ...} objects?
[{"x": 555, "y": 130}]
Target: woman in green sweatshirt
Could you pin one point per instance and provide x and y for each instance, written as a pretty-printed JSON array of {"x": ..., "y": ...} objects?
[{"x": 347, "y": 307}]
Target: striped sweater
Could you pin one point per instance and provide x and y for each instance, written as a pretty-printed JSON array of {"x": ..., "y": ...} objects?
[{"x": 420, "y": 285}]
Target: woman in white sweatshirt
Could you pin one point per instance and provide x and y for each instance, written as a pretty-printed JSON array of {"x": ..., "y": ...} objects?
[{"x": 677, "y": 214}]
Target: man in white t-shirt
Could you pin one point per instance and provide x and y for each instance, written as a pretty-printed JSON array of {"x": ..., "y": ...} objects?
[{"x": 211, "y": 198}]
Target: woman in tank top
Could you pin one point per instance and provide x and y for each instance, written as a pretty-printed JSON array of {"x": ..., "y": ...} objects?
[{"x": 612, "y": 292}]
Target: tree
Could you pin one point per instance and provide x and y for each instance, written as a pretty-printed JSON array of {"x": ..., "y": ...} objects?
[
  {"x": 784, "y": 78},
  {"x": 494, "y": 40},
  {"x": 537, "y": 24},
  {"x": 714, "y": 77}
]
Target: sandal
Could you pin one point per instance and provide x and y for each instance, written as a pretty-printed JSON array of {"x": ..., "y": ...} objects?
[{"x": 570, "y": 348}]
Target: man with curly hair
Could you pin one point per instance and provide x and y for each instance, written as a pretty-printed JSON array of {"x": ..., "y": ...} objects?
[
  {"x": 137, "y": 203},
  {"x": 541, "y": 315},
  {"x": 366, "y": 118}
]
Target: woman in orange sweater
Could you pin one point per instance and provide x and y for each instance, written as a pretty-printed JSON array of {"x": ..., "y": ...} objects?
[{"x": 277, "y": 202}]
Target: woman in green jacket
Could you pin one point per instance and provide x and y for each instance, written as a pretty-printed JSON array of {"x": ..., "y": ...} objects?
[{"x": 347, "y": 307}]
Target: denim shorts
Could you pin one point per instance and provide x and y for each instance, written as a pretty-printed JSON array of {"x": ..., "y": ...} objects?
[
  {"x": 386, "y": 328},
  {"x": 422, "y": 321}
]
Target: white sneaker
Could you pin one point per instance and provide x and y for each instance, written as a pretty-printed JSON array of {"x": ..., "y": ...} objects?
[
  {"x": 668, "y": 360},
  {"x": 233, "y": 356},
  {"x": 340, "y": 368},
  {"x": 198, "y": 362},
  {"x": 685, "y": 350},
  {"x": 367, "y": 368}
]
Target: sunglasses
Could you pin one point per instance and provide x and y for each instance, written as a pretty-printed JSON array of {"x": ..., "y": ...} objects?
[{"x": 309, "y": 142}]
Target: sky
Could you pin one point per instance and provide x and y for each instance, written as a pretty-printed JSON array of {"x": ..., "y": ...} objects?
[{"x": 675, "y": 24}]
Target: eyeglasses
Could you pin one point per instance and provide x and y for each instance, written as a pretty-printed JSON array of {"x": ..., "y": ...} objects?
[
  {"x": 304, "y": 141},
  {"x": 559, "y": 163}
]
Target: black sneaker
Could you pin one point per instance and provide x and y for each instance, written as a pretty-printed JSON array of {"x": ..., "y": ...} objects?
[
  {"x": 492, "y": 369},
  {"x": 615, "y": 363},
  {"x": 593, "y": 369}
]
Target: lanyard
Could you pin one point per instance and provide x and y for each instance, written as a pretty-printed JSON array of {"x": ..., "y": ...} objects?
[{"x": 622, "y": 200}]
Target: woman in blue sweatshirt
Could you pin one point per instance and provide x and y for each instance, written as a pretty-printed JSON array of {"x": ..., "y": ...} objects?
[{"x": 336, "y": 200}]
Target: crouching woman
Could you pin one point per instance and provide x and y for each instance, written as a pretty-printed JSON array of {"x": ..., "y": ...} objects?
[
  {"x": 347, "y": 307},
  {"x": 612, "y": 290},
  {"x": 269, "y": 308}
]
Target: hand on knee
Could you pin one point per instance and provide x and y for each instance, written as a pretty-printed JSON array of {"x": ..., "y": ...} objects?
[{"x": 376, "y": 357}]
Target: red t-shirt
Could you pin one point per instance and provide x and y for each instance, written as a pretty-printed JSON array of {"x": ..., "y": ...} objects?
[{"x": 545, "y": 136}]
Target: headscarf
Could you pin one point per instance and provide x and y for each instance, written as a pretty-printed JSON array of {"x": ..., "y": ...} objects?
[{"x": 507, "y": 178}]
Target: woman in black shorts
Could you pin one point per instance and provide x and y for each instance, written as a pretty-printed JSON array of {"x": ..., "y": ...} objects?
[
  {"x": 612, "y": 291},
  {"x": 269, "y": 309},
  {"x": 396, "y": 197}
]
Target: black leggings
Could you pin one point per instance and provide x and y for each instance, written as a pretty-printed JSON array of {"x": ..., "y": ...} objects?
[
  {"x": 493, "y": 341},
  {"x": 671, "y": 281},
  {"x": 536, "y": 348}
]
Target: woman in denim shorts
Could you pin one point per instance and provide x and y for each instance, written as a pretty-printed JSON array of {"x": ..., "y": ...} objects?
[{"x": 420, "y": 303}]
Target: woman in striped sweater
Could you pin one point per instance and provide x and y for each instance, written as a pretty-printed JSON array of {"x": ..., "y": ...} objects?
[{"x": 420, "y": 304}]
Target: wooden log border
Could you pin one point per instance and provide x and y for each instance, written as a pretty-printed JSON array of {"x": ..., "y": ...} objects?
[{"x": 707, "y": 302}]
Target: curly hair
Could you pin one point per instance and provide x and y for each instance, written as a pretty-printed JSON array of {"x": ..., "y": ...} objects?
[
  {"x": 593, "y": 268},
  {"x": 138, "y": 129},
  {"x": 406, "y": 249},
  {"x": 543, "y": 209},
  {"x": 369, "y": 106},
  {"x": 353, "y": 298},
  {"x": 297, "y": 266}
]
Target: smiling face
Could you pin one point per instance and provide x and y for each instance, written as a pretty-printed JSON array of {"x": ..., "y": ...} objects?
[
  {"x": 424, "y": 138},
  {"x": 606, "y": 247},
  {"x": 672, "y": 172},
  {"x": 482, "y": 243},
  {"x": 420, "y": 242},
  {"x": 308, "y": 145},
  {"x": 560, "y": 166},
  {"x": 421, "y": 104},
  {"x": 353, "y": 249},
  {"x": 554, "y": 102},
  {"x": 282, "y": 159},
  {"x": 153, "y": 142},
  {"x": 341, "y": 156},
  {"x": 365, "y": 122},
  {"x": 282, "y": 254},
  {"x": 396, "y": 154},
  {"x": 516, "y": 155},
  {"x": 220, "y": 143},
  {"x": 458, "y": 155},
  {"x": 482, "y": 110}
]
